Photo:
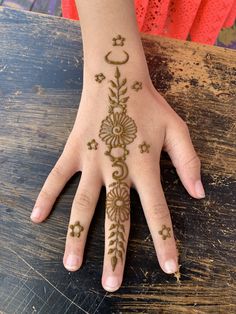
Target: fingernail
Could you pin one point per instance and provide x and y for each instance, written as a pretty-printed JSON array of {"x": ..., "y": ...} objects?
[
  {"x": 111, "y": 283},
  {"x": 170, "y": 266},
  {"x": 199, "y": 189},
  {"x": 72, "y": 261},
  {"x": 36, "y": 213}
]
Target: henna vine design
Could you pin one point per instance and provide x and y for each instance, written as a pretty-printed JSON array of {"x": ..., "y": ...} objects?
[
  {"x": 76, "y": 229},
  {"x": 118, "y": 40},
  {"x": 92, "y": 145},
  {"x": 99, "y": 77},
  {"x": 144, "y": 147},
  {"x": 117, "y": 131},
  {"x": 137, "y": 86},
  {"x": 165, "y": 232}
]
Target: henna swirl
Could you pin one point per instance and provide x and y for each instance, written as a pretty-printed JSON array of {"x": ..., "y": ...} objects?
[{"x": 122, "y": 173}]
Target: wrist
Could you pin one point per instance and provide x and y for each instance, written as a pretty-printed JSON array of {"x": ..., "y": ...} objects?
[{"x": 102, "y": 64}]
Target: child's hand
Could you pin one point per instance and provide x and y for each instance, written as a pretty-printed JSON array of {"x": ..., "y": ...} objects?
[{"x": 117, "y": 143}]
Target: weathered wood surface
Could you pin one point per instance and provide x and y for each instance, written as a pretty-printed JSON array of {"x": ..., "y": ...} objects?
[
  {"x": 40, "y": 85},
  {"x": 52, "y": 7}
]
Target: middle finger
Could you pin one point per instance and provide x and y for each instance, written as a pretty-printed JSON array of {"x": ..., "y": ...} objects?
[{"x": 117, "y": 226}]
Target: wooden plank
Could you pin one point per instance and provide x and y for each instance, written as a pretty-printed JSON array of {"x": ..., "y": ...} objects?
[
  {"x": 40, "y": 86},
  {"x": 18, "y": 4},
  {"x": 52, "y": 7}
]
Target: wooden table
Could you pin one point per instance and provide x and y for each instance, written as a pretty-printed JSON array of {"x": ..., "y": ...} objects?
[{"x": 40, "y": 86}]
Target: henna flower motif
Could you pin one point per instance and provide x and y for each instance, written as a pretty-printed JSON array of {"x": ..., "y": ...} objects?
[
  {"x": 118, "y": 41},
  {"x": 144, "y": 147},
  {"x": 76, "y": 229},
  {"x": 165, "y": 232},
  {"x": 117, "y": 130},
  {"x": 92, "y": 145},
  {"x": 118, "y": 204},
  {"x": 99, "y": 77},
  {"x": 137, "y": 86}
]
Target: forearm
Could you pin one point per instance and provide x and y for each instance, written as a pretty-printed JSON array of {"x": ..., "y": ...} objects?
[{"x": 103, "y": 20}]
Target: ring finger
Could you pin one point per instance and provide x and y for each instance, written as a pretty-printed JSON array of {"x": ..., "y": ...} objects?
[
  {"x": 82, "y": 211},
  {"x": 158, "y": 218}
]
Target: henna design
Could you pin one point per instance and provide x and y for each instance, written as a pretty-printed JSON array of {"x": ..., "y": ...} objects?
[
  {"x": 117, "y": 204},
  {"x": 117, "y": 62},
  {"x": 117, "y": 131},
  {"x": 137, "y": 86},
  {"x": 165, "y": 232},
  {"x": 117, "y": 239},
  {"x": 144, "y": 147},
  {"x": 92, "y": 145},
  {"x": 76, "y": 229},
  {"x": 118, "y": 40},
  {"x": 99, "y": 77}
]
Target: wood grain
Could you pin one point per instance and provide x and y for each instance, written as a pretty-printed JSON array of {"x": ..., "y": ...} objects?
[
  {"x": 40, "y": 86},
  {"x": 52, "y": 7}
]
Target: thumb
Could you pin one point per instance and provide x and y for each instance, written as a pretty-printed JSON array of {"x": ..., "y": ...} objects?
[{"x": 179, "y": 146}]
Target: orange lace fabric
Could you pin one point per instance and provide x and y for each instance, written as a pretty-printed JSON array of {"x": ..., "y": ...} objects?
[{"x": 202, "y": 20}]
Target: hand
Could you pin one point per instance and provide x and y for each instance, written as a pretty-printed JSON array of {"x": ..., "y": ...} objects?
[{"x": 117, "y": 143}]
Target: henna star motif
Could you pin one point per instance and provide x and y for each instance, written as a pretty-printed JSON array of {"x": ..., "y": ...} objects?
[
  {"x": 144, "y": 147},
  {"x": 165, "y": 232},
  {"x": 137, "y": 86},
  {"x": 76, "y": 229},
  {"x": 118, "y": 40},
  {"x": 92, "y": 145},
  {"x": 99, "y": 77}
]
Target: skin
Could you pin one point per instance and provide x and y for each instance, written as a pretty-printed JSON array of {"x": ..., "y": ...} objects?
[{"x": 157, "y": 125}]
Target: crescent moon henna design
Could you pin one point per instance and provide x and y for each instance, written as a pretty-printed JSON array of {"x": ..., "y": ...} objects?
[
  {"x": 117, "y": 62},
  {"x": 117, "y": 131}
]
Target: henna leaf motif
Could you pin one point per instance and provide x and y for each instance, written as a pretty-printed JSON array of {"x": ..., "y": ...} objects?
[
  {"x": 112, "y": 102},
  {"x": 117, "y": 73},
  {"x": 111, "y": 235},
  {"x": 124, "y": 81},
  {"x": 113, "y": 84},
  {"x": 112, "y": 226},
  {"x": 113, "y": 262},
  {"x": 113, "y": 94},
  {"x": 124, "y": 91},
  {"x": 122, "y": 228},
  {"x": 121, "y": 236},
  {"x": 111, "y": 242},
  {"x": 124, "y": 100}
]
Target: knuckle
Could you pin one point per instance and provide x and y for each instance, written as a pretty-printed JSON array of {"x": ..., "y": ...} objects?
[
  {"x": 57, "y": 171},
  {"x": 193, "y": 162},
  {"x": 46, "y": 194},
  {"x": 82, "y": 200},
  {"x": 160, "y": 211}
]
